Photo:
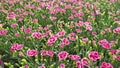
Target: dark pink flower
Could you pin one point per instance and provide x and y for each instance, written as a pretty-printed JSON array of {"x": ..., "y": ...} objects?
[
  {"x": 116, "y": 30},
  {"x": 106, "y": 65},
  {"x": 62, "y": 55},
  {"x": 79, "y": 64},
  {"x": 104, "y": 43},
  {"x": 65, "y": 41},
  {"x": 16, "y": 46},
  {"x": 61, "y": 33},
  {"x": 52, "y": 39},
  {"x": 94, "y": 55},
  {"x": 27, "y": 30},
  {"x": 74, "y": 57},
  {"x": 31, "y": 52}
]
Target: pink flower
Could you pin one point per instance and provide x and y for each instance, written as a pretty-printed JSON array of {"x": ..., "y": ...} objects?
[
  {"x": 89, "y": 27},
  {"x": 43, "y": 52},
  {"x": 84, "y": 62},
  {"x": 13, "y": 25},
  {"x": 106, "y": 65},
  {"x": 116, "y": 30},
  {"x": 37, "y": 35},
  {"x": 53, "y": 18},
  {"x": 94, "y": 55},
  {"x": 19, "y": 47},
  {"x": 84, "y": 40},
  {"x": 112, "y": 51},
  {"x": 31, "y": 52},
  {"x": 94, "y": 33},
  {"x": 118, "y": 57},
  {"x": 74, "y": 57},
  {"x": 79, "y": 64},
  {"x": 65, "y": 41},
  {"x": 16, "y": 46},
  {"x": 72, "y": 38},
  {"x": 72, "y": 34},
  {"x": 105, "y": 44},
  {"x": 27, "y": 30},
  {"x": 3, "y": 32},
  {"x": 11, "y": 15},
  {"x": 112, "y": 1},
  {"x": 41, "y": 66},
  {"x": 26, "y": 66},
  {"x": 52, "y": 39},
  {"x": 98, "y": 12},
  {"x": 50, "y": 53},
  {"x": 107, "y": 29},
  {"x": 17, "y": 34},
  {"x": 62, "y": 65},
  {"x": 93, "y": 42},
  {"x": 62, "y": 55},
  {"x": 35, "y": 20},
  {"x": 60, "y": 33},
  {"x": 78, "y": 30},
  {"x": 61, "y": 45}
]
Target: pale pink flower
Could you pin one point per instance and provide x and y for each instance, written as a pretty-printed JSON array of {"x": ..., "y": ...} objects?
[
  {"x": 89, "y": 27},
  {"x": 62, "y": 55},
  {"x": 94, "y": 55},
  {"x": 112, "y": 1},
  {"x": 78, "y": 30},
  {"x": 31, "y": 52}
]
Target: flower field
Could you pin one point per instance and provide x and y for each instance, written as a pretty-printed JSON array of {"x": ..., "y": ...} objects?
[{"x": 59, "y": 34}]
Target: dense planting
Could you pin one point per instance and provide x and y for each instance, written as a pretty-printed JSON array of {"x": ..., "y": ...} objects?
[{"x": 60, "y": 33}]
